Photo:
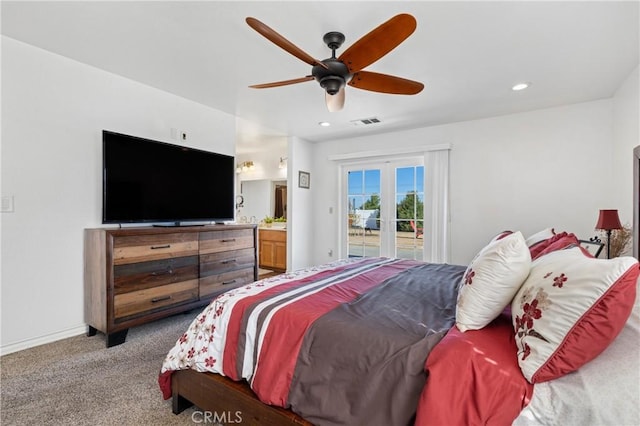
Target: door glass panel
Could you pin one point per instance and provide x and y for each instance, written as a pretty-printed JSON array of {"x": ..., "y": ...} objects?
[
  {"x": 363, "y": 238},
  {"x": 385, "y": 210},
  {"x": 409, "y": 214}
]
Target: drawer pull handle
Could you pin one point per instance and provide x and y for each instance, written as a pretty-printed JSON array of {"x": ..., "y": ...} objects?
[
  {"x": 228, "y": 282},
  {"x": 160, "y": 247},
  {"x": 224, "y": 262},
  {"x": 168, "y": 271},
  {"x": 230, "y": 240},
  {"x": 160, "y": 299}
]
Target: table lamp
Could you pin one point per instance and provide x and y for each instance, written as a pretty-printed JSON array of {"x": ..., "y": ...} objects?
[{"x": 608, "y": 221}]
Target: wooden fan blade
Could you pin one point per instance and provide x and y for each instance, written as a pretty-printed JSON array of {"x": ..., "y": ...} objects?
[
  {"x": 282, "y": 42},
  {"x": 377, "y": 43},
  {"x": 282, "y": 83},
  {"x": 384, "y": 83},
  {"x": 335, "y": 102}
]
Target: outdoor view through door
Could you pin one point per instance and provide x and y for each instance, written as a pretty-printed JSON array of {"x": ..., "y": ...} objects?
[{"x": 385, "y": 210}]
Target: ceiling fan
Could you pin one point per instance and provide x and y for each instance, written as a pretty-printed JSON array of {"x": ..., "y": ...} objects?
[{"x": 334, "y": 73}]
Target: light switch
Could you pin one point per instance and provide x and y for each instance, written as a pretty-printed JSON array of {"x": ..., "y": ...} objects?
[{"x": 7, "y": 204}]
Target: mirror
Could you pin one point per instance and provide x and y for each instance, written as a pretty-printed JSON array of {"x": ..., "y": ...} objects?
[{"x": 262, "y": 197}]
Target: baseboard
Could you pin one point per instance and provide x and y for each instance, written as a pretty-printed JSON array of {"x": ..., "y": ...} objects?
[{"x": 37, "y": 341}]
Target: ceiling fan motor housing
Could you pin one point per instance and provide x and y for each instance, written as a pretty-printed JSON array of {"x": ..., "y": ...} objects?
[{"x": 334, "y": 77}]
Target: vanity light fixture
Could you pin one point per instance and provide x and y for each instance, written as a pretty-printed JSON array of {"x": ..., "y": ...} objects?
[{"x": 245, "y": 166}]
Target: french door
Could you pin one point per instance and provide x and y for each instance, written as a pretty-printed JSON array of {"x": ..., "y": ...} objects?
[{"x": 384, "y": 209}]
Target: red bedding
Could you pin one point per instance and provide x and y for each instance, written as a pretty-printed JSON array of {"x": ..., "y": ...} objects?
[
  {"x": 474, "y": 378},
  {"x": 340, "y": 344}
]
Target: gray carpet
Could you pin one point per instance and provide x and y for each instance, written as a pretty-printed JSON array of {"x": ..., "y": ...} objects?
[{"x": 78, "y": 381}]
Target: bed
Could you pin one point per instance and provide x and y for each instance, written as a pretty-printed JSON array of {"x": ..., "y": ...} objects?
[{"x": 392, "y": 341}]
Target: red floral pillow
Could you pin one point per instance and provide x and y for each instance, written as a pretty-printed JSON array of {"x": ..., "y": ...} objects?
[
  {"x": 569, "y": 309},
  {"x": 557, "y": 242}
]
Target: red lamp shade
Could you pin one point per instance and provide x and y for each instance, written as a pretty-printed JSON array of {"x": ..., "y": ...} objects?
[{"x": 608, "y": 220}]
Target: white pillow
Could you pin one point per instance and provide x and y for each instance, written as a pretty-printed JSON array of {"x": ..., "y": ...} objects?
[{"x": 491, "y": 280}]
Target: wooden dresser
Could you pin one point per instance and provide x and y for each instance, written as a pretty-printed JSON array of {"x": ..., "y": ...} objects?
[{"x": 136, "y": 275}]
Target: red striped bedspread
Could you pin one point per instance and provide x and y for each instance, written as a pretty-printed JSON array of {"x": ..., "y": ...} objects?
[{"x": 343, "y": 343}]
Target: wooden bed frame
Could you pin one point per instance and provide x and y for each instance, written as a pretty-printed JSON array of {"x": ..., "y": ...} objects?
[{"x": 224, "y": 397}]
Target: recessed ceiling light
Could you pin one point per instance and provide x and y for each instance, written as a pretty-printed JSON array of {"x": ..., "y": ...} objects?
[
  {"x": 324, "y": 124},
  {"x": 520, "y": 86}
]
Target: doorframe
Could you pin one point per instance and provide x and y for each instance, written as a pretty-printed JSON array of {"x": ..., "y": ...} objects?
[{"x": 438, "y": 215}]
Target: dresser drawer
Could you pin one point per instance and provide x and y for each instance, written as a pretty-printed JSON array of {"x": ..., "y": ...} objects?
[
  {"x": 136, "y": 248},
  {"x": 141, "y": 275},
  {"x": 217, "y": 283},
  {"x": 140, "y": 301},
  {"x": 215, "y": 263},
  {"x": 232, "y": 239}
]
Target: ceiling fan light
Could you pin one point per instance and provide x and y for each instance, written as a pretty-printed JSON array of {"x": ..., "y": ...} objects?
[{"x": 335, "y": 102}]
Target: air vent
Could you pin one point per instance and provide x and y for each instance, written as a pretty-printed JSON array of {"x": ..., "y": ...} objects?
[{"x": 365, "y": 121}]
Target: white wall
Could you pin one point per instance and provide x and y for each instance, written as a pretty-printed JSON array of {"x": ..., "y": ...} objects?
[
  {"x": 528, "y": 171},
  {"x": 626, "y": 131},
  {"x": 265, "y": 163},
  {"x": 302, "y": 223},
  {"x": 53, "y": 112}
]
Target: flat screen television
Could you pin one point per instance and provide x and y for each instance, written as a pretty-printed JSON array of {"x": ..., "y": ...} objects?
[{"x": 146, "y": 181}]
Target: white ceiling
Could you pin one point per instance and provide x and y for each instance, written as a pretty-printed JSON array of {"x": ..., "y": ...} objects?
[{"x": 468, "y": 55}]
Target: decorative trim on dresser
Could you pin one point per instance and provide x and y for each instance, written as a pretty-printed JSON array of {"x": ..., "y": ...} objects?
[{"x": 136, "y": 275}]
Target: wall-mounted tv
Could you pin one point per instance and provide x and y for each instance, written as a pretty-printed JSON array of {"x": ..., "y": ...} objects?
[{"x": 146, "y": 181}]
